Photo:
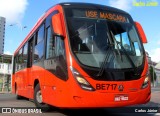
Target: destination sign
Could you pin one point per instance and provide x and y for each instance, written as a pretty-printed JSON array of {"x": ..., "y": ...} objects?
[{"x": 100, "y": 15}]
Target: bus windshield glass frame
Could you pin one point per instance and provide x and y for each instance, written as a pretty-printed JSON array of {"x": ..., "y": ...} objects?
[{"x": 100, "y": 38}]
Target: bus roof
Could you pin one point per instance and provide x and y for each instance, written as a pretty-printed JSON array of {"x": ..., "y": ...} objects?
[
  {"x": 91, "y": 5},
  {"x": 65, "y": 5}
]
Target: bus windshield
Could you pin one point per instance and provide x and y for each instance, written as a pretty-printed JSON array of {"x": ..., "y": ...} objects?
[{"x": 104, "y": 42}]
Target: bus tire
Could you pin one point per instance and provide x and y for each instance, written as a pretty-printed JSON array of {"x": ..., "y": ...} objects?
[
  {"x": 38, "y": 99},
  {"x": 18, "y": 97}
]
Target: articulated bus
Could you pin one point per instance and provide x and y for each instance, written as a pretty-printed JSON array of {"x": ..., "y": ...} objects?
[{"x": 83, "y": 55}]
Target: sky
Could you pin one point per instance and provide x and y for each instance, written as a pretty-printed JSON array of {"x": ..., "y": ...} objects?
[{"x": 25, "y": 13}]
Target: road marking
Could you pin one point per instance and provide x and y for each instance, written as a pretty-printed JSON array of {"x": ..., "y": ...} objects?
[{"x": 157, "y": 114}]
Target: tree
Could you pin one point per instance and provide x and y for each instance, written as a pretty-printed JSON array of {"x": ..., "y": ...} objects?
[{"x": 151, "y": 71}]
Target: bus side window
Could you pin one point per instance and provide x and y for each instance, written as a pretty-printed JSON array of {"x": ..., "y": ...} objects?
[
  {"x": 60, "y": 50},
  {"x": 20, "y": 59},
  {"x": 16, "y": 63},
  {"x": 30, "y": 52},
  {"x": 39, "y": 44},
  {"x": 25, "y": 54},
  {"x": 55, "y": 55},
  {"x": 61, "y": 68},
  {"x": 50, "y": 44}
]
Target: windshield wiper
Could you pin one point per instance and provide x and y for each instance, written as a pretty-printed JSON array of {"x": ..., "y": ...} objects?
[
  {"x": 130, "y": 60},
  {"x": 125, "y": 52},
  {"x": 108, "y": 52},
  {"x": 116, "y": 43},
  {"x": 110, "y": 48},
  {"x": 128, "y": 57}
]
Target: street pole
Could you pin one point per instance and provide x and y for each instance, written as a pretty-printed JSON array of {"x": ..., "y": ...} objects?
[
  {"x": 12, "y": 71},
  {"x": 153, "y": 74},
  {"x": 3, "y": 75}
]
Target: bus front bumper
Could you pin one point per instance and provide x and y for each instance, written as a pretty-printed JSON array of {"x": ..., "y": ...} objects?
[{"x": 100, "y": 100}]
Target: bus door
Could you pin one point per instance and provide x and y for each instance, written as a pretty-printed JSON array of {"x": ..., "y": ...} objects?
[
  {"x": 24, "y": 71},
  {"x": 30, "y": 62}
]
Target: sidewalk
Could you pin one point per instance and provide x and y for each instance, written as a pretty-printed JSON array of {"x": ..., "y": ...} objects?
[
  {"x": 5, "y": 92},
  {"x": 155, "y": 89}
]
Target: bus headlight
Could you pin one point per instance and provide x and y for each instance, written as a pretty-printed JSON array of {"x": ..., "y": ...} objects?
[
  {"x": 146, "y": 82},
  {"x": 84, "y": 84}
]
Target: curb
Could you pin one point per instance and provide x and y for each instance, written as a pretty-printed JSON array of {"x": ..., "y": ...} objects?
[{"x": 4, "y": 92}]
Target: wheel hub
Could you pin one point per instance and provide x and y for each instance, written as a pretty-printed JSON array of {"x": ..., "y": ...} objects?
[{"x": 39, "y": 96}]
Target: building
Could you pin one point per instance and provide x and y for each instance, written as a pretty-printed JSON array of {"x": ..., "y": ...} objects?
[
  {"x": 2, "y": 34},
  {"x": 157, "y": 70},
  {"x": 5, "y": 72},
  {"x": 149, "y": 59},
  {"x": 153, "y": 64}
]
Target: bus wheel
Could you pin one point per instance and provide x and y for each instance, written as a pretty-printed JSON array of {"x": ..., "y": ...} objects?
[{"x": 38, "y": 99}]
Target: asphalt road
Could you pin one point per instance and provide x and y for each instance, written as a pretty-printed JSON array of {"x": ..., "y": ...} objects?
[{"x": 9, "y": 100}]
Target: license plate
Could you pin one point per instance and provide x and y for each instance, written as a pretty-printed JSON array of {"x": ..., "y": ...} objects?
[{"x": 121, "y": 98}]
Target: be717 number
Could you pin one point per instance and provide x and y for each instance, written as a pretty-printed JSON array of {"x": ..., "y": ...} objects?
[{"x": 106, "y": 86}]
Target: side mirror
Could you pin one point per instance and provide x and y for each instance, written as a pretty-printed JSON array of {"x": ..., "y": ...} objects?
[
  {"x": 57, "y": 25},
  {"x": 141, "y": 32}
]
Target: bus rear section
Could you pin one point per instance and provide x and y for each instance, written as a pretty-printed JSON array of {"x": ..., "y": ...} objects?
[{"x": 93, "y": 57}]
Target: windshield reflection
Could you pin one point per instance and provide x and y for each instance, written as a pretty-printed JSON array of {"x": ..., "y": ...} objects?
[{"x": 91, "y": 39}]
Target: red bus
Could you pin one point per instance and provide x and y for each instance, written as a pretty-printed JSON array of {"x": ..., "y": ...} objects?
[{"x": 81, "y": 55}]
